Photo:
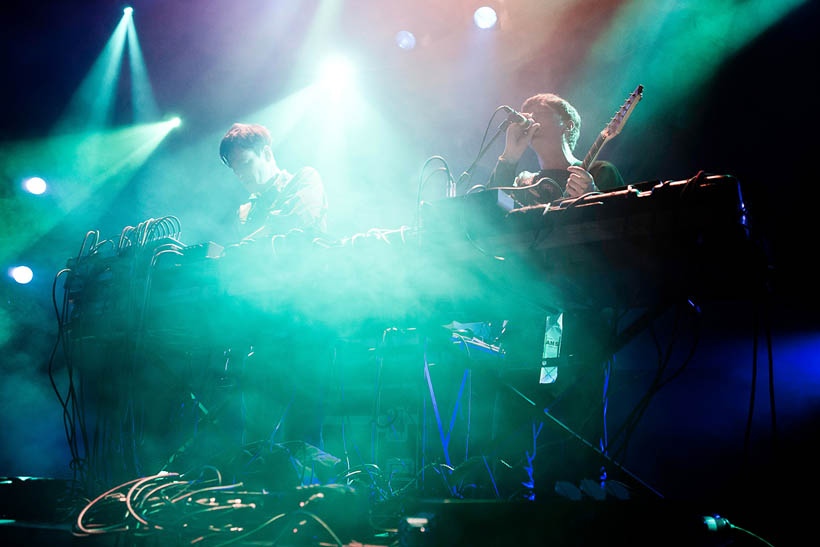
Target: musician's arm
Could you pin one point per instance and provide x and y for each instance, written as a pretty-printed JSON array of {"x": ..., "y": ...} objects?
[
  {"x": 305, "y": 208},
  {"x": 518, "y": 138},
  {"x": 504, "y": 174}
]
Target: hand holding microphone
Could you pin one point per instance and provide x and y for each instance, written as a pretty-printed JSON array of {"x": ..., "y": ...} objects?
[
  {"x": 520, "y": 130},
  {"x": 514, "y": 116}
]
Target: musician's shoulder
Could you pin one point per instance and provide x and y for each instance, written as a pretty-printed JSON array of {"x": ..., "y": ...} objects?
[
  {"x": 606, "y": 175},
  {"x": 602, "y": 164},
  {"x": 307, "y": 172}
]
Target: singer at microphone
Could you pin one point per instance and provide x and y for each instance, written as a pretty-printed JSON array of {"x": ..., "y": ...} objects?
[
  {"x": 517, "y": 117},
  {"x": 550, "y": 126}
]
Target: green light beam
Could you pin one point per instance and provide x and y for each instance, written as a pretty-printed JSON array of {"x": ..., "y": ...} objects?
[
  {"x": 671, "y": 47},
  {"x": 78, "y": 167},
  {"x": 91, "y": 105},
  {"x": 142, "y": 95}
]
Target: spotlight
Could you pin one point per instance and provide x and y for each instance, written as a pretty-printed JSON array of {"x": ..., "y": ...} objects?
[
  {"x": 34, "y": 185},
  {"x": 485, "y": 17},
  {"x": 128, "y": 11},
  {"x": 21, "y": 274},
  {"x": 175, "y": 121},
  {"x": 336, "y": 72},
  {"x": 405, "y": 39}
]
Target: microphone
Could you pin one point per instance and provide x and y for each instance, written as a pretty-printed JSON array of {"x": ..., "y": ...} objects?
[{"x": 517, "y": 117}]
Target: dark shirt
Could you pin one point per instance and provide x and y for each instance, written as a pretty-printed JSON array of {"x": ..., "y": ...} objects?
[
  {"x": 505, "y": 174},
  {"x": 291, "y": 201}
]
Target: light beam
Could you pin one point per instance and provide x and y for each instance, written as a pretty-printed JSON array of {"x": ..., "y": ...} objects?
[
  {"x": 91, "y": 105},
  {"x": 142, "y": 95}
]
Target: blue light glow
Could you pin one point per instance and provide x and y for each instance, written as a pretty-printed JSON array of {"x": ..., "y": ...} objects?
[
  {"x": 34, "y": 185},
  {"x": 405, "y": 39},
  {"x": 21, "y": 274}
]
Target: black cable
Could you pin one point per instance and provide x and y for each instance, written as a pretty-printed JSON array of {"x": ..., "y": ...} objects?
[
  {"x": 423, "y": 180},
  {"x": 462, "y": 220},
  {"x": 630, "y": 424},
  {"x": 661, "y": 384},
  {"x": 77, "y": 402},
  {"x": 100, "y": 244},
  {"x": 72, "y": 411},
  {"x": 81, "y": 419},
  {"x": 658, "y": 373},
  {"x": 82, "y": 247},
  {"x": 68, "y": 424},
  {"x": 688, "y": 357},
  {"x": 123, "y": 236},
  {"x": 77, "y": 412},
  {"x": 138, "y": 310},
  {"x": 483, "y": 149},
  {"x": 489, "y": 123}
]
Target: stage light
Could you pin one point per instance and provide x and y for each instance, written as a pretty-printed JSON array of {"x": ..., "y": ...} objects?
[
  {"x": 34, "y": 185},
  {"x": 336, "y": 72},
  {"x": 405, "y": 39},
  {"x": 79, "y": 166},
  {"x": 128, "y": 11},
  {"x": 21, "y": 274},
  {"x": 485, "y": 17},
  {"x": 175, "y": 122}
]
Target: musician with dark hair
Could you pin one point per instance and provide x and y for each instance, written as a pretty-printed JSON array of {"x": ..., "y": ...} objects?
[
  {"x": 278, "y": 201},
  {"x": 552, "y": 134},
  {"x": 281, "y": 381}
]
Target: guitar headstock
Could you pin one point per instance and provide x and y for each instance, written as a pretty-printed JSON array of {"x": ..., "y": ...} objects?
[{"x": 619, "y": 119}]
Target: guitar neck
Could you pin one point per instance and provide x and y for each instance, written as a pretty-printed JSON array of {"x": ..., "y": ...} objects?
[
  {"x": 593, "y": 151},
  {"x": 613, "y": 127}
]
